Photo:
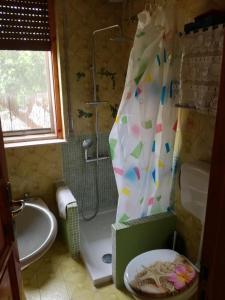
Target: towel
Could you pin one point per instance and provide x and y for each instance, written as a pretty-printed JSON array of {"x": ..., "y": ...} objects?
[{"x": 63, "y": 198}]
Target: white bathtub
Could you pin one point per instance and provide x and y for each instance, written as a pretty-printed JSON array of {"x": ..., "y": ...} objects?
[{"x": 35, "y": 230}]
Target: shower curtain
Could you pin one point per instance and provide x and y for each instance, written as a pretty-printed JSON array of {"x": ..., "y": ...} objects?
[{"x": 142, "y": 138}]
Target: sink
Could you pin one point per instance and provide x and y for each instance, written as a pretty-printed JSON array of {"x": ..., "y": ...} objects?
[{"x": 35, "y": 231}]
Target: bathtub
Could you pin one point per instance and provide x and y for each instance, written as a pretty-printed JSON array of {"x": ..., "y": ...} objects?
[{"x": 35, "y": 231}]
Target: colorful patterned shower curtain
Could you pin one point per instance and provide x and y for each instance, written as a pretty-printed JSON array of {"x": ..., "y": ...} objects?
[{"x": 142, "y": 138}]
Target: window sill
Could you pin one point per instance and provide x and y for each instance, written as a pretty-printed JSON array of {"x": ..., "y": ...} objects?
[{"x": 33, "y": 143}]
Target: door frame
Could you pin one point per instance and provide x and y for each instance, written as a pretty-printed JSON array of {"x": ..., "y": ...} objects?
[
  {"x": 212, "y": 275},
  {"x": 9, "y": 256}
]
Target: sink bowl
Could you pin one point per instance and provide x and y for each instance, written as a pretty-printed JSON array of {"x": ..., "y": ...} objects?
[{"x": 35, "y": 231}]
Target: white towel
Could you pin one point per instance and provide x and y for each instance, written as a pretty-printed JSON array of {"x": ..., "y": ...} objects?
[{"x": 63, "y": 198}]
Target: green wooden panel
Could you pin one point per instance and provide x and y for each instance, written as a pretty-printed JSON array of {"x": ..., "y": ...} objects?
[{"x": 137, "y": 237}]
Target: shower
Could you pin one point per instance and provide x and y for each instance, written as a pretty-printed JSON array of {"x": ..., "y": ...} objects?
[
  {"x": 95, "y": 235},
  {"x": 87, "y": 143}
]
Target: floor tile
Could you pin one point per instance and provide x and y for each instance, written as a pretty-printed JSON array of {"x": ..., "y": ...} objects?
[{"x": 57, "y": 276}]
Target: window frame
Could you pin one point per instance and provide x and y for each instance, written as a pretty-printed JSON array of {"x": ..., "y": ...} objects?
[
  {"x": 55, "y": 72},
  {"x": 25, "y": 137}
]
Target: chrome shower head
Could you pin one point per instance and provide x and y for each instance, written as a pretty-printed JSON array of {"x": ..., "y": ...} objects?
[{"x": 87, "y": 143}]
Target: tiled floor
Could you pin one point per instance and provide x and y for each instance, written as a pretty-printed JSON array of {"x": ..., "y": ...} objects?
[{"x": 58, "y": 277}]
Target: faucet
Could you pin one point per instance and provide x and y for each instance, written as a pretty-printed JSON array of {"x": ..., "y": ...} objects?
[{"x": 87, "y": 143}]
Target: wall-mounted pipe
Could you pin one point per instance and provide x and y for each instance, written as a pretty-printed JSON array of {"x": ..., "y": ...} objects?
[
  {"x": 94, "y": 72},
  {"x": 87, "y": 143},
  {"x": 90, "y": 160},
  {"x": 94, "y": 75}
]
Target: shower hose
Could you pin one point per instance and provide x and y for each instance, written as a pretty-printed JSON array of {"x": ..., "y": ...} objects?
[{"x": 96, "y": 209}]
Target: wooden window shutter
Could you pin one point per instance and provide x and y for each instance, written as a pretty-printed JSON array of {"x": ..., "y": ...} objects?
[{"x": 25, "y": 25}]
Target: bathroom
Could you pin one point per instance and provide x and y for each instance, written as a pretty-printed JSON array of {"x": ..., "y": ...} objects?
[{"x": 36, "y": 169}]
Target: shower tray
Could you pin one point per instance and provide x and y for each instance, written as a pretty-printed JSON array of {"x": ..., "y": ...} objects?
[{"x": 96, "y": 246}]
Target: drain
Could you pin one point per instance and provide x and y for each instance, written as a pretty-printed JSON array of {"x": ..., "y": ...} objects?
[{"x": 107, "y": 258}]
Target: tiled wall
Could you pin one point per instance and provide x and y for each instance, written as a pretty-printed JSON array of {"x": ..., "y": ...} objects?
[
  {"x": 34, "y": 170},
  {"x": 194, "y": 139},
  {"x": 193, "y": 143},
  {"x": 76, "y": 33},
  {"x": 84, "y": 178},
  {"x": 77, "y": 21}
]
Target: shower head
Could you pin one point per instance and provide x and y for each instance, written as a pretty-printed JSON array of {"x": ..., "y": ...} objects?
[
  {"x": 119, "y": 38},
  {"x": 87, "y": 143}
]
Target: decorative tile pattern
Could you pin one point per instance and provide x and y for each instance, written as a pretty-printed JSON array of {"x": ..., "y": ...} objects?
[{"x": 76, "y": 32}]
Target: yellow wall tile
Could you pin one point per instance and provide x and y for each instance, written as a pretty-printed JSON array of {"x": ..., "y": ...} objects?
[
  {"x": 34, "y": 170},
  {"x": 194, "y": 142}
]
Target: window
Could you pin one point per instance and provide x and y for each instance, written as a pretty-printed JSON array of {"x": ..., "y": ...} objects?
[{"x": 29, "y": 91}]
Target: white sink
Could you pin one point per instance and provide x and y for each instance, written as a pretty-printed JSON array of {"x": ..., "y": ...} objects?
[{"x": 35, "y": 230}]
